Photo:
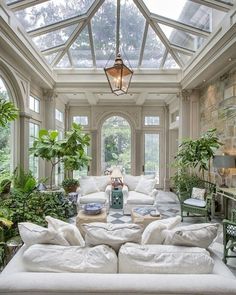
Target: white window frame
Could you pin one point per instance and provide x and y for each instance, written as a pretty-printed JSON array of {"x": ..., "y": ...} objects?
[
  {"x": 35, "y": 104},
  {"x": 35, "y": 160},
  {"x": 152, "y": 116},
  {"x": 81, "y": 116},
  {"x": 59, "y": 115}
]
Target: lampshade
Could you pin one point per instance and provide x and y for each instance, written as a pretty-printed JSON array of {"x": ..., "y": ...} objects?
[
  {"x": 119, "y": 76},
  {"x": 224, "y": 161},
  {"x": 116, "y": 173}
]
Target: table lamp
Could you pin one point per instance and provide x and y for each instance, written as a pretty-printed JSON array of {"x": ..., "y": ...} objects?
[
  {"x": 223, "y": 163},
  {"x": 116, "y": 177}
]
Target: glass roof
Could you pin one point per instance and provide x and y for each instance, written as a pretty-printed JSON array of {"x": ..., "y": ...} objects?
[{"x": 155, "y": 34}]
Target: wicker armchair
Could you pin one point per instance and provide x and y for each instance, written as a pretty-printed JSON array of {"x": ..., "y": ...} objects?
[
  {"x": 202, "y": 208},
  {"x": 229, "y": 236}
]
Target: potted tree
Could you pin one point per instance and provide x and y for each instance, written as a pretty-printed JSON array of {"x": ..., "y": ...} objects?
[
  {"x": 71, "y": 150},
  {"x": 70, "y": 185}
]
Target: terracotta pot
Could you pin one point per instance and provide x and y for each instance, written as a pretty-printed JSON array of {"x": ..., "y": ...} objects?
[{"x": 71, "y": 189}]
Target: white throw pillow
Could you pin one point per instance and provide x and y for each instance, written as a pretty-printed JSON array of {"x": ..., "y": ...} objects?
[
  {"x": 152, "y": 234},
  {"x": 52, "y": 258},
  {"x": 34, "y": 234},
  {"x": 163, "y": 259},
  {"x": 69, "y": 231},
  {"x": 88, "y": 186},
  {"x": 198, "y": 193},
  {"x": 131, "y": 181},
  {"x": 145, "y": 186},
  {"x": 113, "y": 235},
  {"x": 102, "y": 182},
  {"x": 198, "y": 235}
]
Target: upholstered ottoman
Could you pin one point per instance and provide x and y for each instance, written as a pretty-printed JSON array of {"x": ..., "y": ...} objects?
[{"x": 86, "y": 218}]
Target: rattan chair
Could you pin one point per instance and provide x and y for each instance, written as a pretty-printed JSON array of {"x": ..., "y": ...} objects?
[
  {"x": 203, "y": 209},
  {"x": 229, "y": 236}
]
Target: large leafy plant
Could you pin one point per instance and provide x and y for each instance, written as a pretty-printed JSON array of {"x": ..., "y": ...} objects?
[
  {"x": 8, "y": 112},
  {"x": 71, "y": 150},
  {"x": 198, "y": 153}
]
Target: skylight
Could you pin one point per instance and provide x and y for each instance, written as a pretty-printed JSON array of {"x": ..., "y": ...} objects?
[{"x": 154, "y": 34}]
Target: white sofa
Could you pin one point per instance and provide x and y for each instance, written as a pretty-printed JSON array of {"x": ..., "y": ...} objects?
[
  {"x": 16, "y": 280},
  {"x": 136, "y": 195},
  {"x": 94, "y": 189}
]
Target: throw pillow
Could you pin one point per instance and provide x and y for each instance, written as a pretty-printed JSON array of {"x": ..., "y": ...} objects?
[
  {"x": 153, "y": 233},
  {"x": 163, "y": 259},
  {"x": 53, "y": 258},
  {"x": 145, "y": 186},
  {"x": 198, "y": 193},
  {"x": 198, "y": 235},
  {"x": 34, "y": 234},
  {"x": 113, "y": 235},
  {"x": 88, "y": 186},
  {"x": 131, "y": 181},
  {"x": 102, "y": 182},
  {"x": 69, "y": 231}
]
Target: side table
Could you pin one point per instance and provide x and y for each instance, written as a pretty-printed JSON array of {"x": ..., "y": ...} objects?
[
  {"x": 86, "y": 218},
  {"x": 116, "y": 199}
]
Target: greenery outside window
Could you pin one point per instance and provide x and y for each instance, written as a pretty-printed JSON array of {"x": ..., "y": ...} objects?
[
  {"x": 59, "y": 169},
  {"x": 33, "y": 161},
  {"x": 152, "y": 120}
]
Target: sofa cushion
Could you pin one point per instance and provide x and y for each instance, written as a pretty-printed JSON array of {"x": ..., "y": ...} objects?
[
  {"x": 163, "y": 259},
  {"x": 131, "y": 181},
  {"x": 198, "y": 193},
  {"x": 152, "y": 234},
  {"x": 98, "y": 197},
  {"x": 138, "y": 198},
  {"x": 195, "y": 202},
  {"x": 88, "y": 186},
  {"x": 34, "y": 234},
  {"x": 69, "y": 231},
  {"x": 102, "y": 182},
  {"x": 53, "y": 258},
  {"x": 113, "y": 235},
  {"x": 198, "y": 235},
  {"x": 145, "y": 186}
]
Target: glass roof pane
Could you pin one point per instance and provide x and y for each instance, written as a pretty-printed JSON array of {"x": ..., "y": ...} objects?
[
  {"x": 54, "y": 38},
  {"x": 11, "y": 1},
  {"x": 80, "y": 51},
  {"x": 184, "y": 57},
  {"x": 50, "y": 12},
  {"x": 154, "y": 50},
  {"x": 182, "y": 38},
  {"x": 131, "y": 31},
  {"x": 50, "y": 57},
  {"x": 64, "y": 62},
  {"x": 184, "y": 11},
  {"x": 170, "y": 63},
  {"x": 104, "y": 32}
]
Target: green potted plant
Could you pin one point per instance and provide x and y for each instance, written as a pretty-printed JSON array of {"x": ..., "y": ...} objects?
[
  {"x": 71, "y": 150},
  {"x": 5, "y": 186},
  {"x": 70, "y": 185}
]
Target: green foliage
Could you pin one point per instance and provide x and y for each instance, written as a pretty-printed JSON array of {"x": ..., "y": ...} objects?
[
  {"x": 183, "y": 181},
  {"x": 198, "y": 152},
  {"x": 23, "y": 181},
  {"x": 71, "y": 150},
  {"x": 5, "y": 186},
  {"x": 69, "y": 182},
  {"x": 8, "y": 112}
]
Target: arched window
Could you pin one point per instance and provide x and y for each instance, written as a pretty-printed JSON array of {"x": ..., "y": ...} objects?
[
  {"x": 5, "y": 138},
  {"x": 116, "y": 143}
]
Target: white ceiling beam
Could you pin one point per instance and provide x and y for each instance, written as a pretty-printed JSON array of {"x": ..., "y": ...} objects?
[
  {"x": 143, "y": 43},
  {"x": 56, "y": 26},
  {"x": 163, "y": 59},
  {"x": 92, "y": 10},
  {"x": 214, "y": 4},
  {"x": 179, "y": 26},
  {"x": 53, "y": 49},
  {"x": 92, "y": 99},
  {"x": 92, "y": 44},
  {"x": 141, "y": 98},
  {"x": 182, "y": 49},
  {"x": 144, "y": 10},
  {"x": 19, "y": 5},
  {"x": 118, "y": 27}
]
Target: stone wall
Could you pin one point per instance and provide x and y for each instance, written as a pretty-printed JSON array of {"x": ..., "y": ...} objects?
[{"x": 213, "y": 115}]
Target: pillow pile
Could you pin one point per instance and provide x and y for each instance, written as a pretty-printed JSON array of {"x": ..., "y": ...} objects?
[
  {"x": 142, "y": 184},
  {"x": 93, "y": 184},
  {"x": 198, "y": 193}
]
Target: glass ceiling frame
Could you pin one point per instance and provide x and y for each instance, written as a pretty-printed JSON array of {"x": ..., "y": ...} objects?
[{"x": 152, "y": 20}]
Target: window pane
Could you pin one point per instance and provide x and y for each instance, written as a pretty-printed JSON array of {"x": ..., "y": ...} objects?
[
  {"x": 33, "y": 161},
  {"x": 151, "y": 156},
  {"x": 50, "y": 12},
  {"x": 116, "y": 144},
  {"x": 83, "y": 171},
  {"x": 58, "y": 115},
  {"x": 34, "y": 104},
  {"x": 5, "y": 138},
  {"x": 170, "y": 63},
  {"x": 152, "y": 120},
  {"x": 82, "y": 120}
]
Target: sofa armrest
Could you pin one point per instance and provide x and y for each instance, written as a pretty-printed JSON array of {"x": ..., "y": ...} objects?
[{"x": 125, "y": 192}]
